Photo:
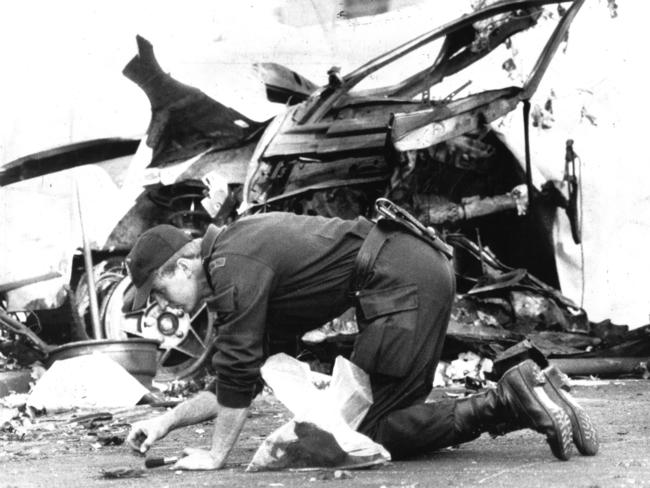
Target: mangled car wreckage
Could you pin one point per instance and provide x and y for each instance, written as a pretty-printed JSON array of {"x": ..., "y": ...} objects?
[{"x": 333, "y": 151}]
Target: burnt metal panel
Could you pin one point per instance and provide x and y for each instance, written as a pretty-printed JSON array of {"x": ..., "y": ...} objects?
[{"x": 66, "y": 157}]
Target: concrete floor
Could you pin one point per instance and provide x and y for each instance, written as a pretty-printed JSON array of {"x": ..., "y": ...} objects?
[{"x": 520, "y": 459}]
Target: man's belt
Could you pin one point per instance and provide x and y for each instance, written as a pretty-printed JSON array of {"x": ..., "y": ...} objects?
[{"x": 367, "y": 255}]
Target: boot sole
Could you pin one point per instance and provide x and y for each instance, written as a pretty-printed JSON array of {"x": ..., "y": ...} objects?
[
  {"x": 560, "y": 440},
  {"x": 585, "y": 436}
]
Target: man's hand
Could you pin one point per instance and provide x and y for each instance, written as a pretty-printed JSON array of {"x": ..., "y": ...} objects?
[
  {"x": 227, "y": 427},
  {"x": 196, "y": 459},
  {"x": 144, "y": 433}
]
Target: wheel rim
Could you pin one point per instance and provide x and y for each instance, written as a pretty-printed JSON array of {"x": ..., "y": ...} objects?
[
  {"x": 106, "y": 274},
  {"x": 185, "y": 341}
]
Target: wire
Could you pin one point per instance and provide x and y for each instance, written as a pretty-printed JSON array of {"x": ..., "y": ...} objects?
[{"x": 582, "y": 248}]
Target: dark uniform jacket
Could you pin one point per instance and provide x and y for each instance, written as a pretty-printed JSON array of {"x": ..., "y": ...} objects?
[{"x": 275, "y": 270}]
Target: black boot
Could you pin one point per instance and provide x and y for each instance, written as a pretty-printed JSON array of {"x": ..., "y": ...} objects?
[
  {"x": 519, "y": 401},
  {"x": 585, "y": 436}
]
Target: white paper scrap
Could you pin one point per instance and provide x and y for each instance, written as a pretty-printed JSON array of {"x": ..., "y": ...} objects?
[{"x": 90, "y": 381}]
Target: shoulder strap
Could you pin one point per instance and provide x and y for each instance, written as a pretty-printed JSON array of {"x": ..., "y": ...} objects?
[{"x": 207, "y": 244}]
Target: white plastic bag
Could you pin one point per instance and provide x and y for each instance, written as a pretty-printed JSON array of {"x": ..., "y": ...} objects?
[{"x": 322, "y": 432}]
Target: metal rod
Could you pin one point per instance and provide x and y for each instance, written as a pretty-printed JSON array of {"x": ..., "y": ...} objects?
[
  {"x": 603, "y": 367},
  {"x": 88, "y": 262},
  {"x": 529, "y": 171},
  {"x": 13, "y": 285}
]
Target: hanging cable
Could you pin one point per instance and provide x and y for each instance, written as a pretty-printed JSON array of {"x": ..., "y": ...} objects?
[{"x": 575, "y": 205}]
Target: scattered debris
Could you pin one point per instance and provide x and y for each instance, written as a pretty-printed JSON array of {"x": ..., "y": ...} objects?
[
  {"x": 468, "y": 365},
  {"x": 106, "y": 439},
  {"x": 7, "y": 364},
  {"x": 23, "y": 435},
  {"x": 332, "y": 475}
]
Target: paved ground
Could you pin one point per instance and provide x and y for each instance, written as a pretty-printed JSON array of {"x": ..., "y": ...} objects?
[{"x": 57, "y": 457}]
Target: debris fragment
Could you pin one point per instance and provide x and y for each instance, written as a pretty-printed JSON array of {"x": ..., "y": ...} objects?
[
  {"x": 468, "y": 364},
  {"x": 92, "y": 420},
  {"x": 338, "y": 474},
  {"x": 541, "y": 117},
  {"x": 108, "y": 439},
  {"x": 92, "y": 381},
  {"x": 589, "y": 117},
  {"x": 509, "y": 65},
  {"x": 119, "y": 473},
  {"x": 613, "y": 8}
]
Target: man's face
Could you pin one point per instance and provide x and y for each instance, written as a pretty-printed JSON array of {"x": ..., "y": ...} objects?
[{"x": 179, "y": 289}]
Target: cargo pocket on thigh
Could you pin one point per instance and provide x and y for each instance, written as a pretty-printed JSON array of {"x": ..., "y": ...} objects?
[{"x": 387, "y": 319}]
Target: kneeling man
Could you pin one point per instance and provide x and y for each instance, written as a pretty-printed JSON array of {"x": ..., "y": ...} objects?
[{"x": 280, "y": 271}]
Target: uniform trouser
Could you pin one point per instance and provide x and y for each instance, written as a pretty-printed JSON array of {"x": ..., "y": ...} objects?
[{"x": 403, "y": 312}]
